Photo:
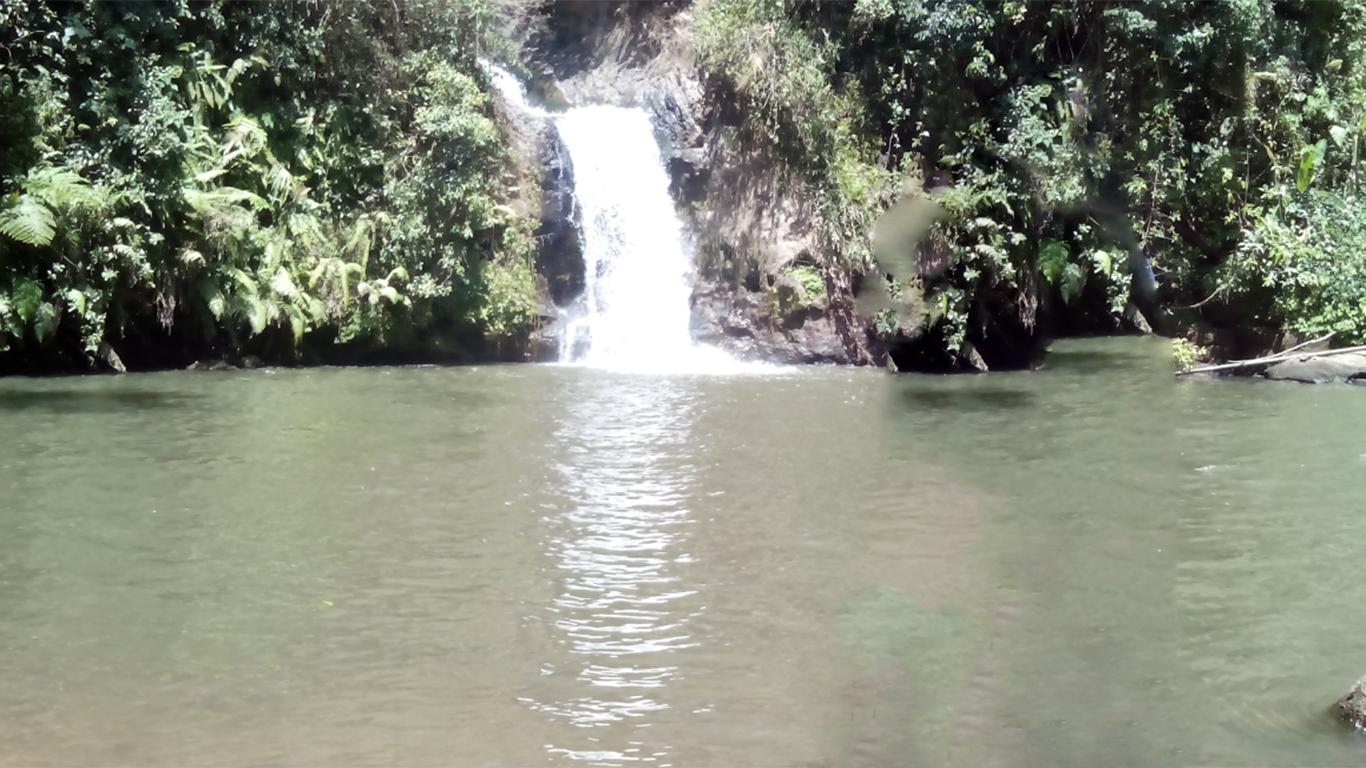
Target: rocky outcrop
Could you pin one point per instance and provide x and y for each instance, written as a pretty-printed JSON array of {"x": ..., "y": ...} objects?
[
  {"x": 544, "y": 190},
  {"x": 1350, "y": 367},
  {"x": 763, "y": 287},
  {"x": 1351, "y": 708}
]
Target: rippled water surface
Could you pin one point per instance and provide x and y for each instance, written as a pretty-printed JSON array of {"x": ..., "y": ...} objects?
[{"x": 1089, "y": 565}]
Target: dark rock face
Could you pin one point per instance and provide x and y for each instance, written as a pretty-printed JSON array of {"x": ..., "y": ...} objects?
[
  {"x": 561, "y": 248},
  {"x": 1349, "y": 367},
  {"x": 752, "y": 220},
  {"x": 545, "y": 191},
  {"x": 750, "y": 327}
]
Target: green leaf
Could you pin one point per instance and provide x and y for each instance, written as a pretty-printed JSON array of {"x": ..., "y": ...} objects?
[
  {"x": 1073, "y": 279},
  {"x": 77, "y": 300},
  {"x": 244, "y": 280},
  {"x": 45, "y": 321},
  {"x": 1053, "y": 258},
  {"x": 212, "y": 295},
  {"x": 258, "y": 314},
  {"x": 297, "y": 322},
  {"x": 27, "y": 296},
  {"x": 1310, "y": 159}
]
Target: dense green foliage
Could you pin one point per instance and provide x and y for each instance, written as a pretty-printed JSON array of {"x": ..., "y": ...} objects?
[
  {"x": 247, "y": 176},
  {"x": 1071, "y": 156},
  {"x": 190, "y": 177}
]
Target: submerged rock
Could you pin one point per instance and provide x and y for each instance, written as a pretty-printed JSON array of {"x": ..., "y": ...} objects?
[
  {"x": 1351, "y": 708},
  {"x": 1321, "y": 370},
  {"x": 211, "y": 365}
]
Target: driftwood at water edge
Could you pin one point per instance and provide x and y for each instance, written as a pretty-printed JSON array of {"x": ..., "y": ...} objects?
[{"x": 1279, "y": 357}]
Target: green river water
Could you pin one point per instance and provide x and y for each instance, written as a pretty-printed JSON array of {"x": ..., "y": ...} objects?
[{"x": 1088, "y": 565}]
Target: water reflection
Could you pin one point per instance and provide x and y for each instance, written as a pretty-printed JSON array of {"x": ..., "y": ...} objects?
[{"x": 616, "y": 542}]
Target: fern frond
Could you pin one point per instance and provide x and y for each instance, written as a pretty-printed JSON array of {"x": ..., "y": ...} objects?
[
  {"x": 45, "y": 321},
  {"x": 26, "y": 296},
  {"x": 280, "y": 182},
  {"x": 283, "y": 284},
  {"x": 204, "y": 201},
  {"x": 298, "y": 323},
  {"x": 77, "y": 300},
  {"x": 317, "y": 310},
  {"x": 61, "y": 187},
  {"x": 29, "y": 221},
  {"x": 320, "y": 272},
  {"x": 244, "y": 280},
  {"x": 255, "y": 310},
  {"x": 212, "y": 295}
]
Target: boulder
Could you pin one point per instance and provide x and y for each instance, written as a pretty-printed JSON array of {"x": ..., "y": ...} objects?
[
  {"x": 1321, "y": 370},
  {"x": 1351, "y": 708}
]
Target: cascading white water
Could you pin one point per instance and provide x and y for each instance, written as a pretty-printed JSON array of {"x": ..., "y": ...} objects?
[
  {"x": 637, "y": 284},
  {"x": 634, "y": 313}
]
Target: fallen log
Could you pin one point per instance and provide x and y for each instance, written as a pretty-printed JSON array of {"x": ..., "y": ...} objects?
[{"x": 1279, "y": 357}]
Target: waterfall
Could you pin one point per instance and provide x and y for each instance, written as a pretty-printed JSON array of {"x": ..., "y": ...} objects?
[{"x": 635, "y": 312}]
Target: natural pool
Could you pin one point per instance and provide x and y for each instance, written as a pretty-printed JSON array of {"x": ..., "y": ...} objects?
[{"x": 1089, "y": 565}]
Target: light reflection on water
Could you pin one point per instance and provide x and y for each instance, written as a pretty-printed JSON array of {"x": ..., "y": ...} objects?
[{"x": 615, "y": 537}]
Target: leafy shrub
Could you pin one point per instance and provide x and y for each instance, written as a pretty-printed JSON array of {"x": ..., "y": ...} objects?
[{"x": 1310, "y": 254}]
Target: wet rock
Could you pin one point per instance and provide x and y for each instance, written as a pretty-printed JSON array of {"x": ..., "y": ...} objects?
[
  {"x": 1351, "y": 708},
  {"x": 1321, "y": 370},
  {"x": 252, "y": 362},
  {"x": 560, "y": 257},
  {"x": 1134, "y": 317},
  {"x": 111, "y": 358},
  {"x": 544, "y": 191},
  {"x": 211, "y": 365},
  {"x": 688, "y": 174},
  {"x": 749, "y": 326}
]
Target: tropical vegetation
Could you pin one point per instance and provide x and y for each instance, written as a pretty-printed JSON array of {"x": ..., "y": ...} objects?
[
  {"x": 277, "y": 178},
  {"x": 305, "y": 180},
  {"x": 1082, "y": 162}
]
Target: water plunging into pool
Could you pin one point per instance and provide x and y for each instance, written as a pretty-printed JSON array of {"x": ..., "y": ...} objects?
[{"x": 634, "y": 313}]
